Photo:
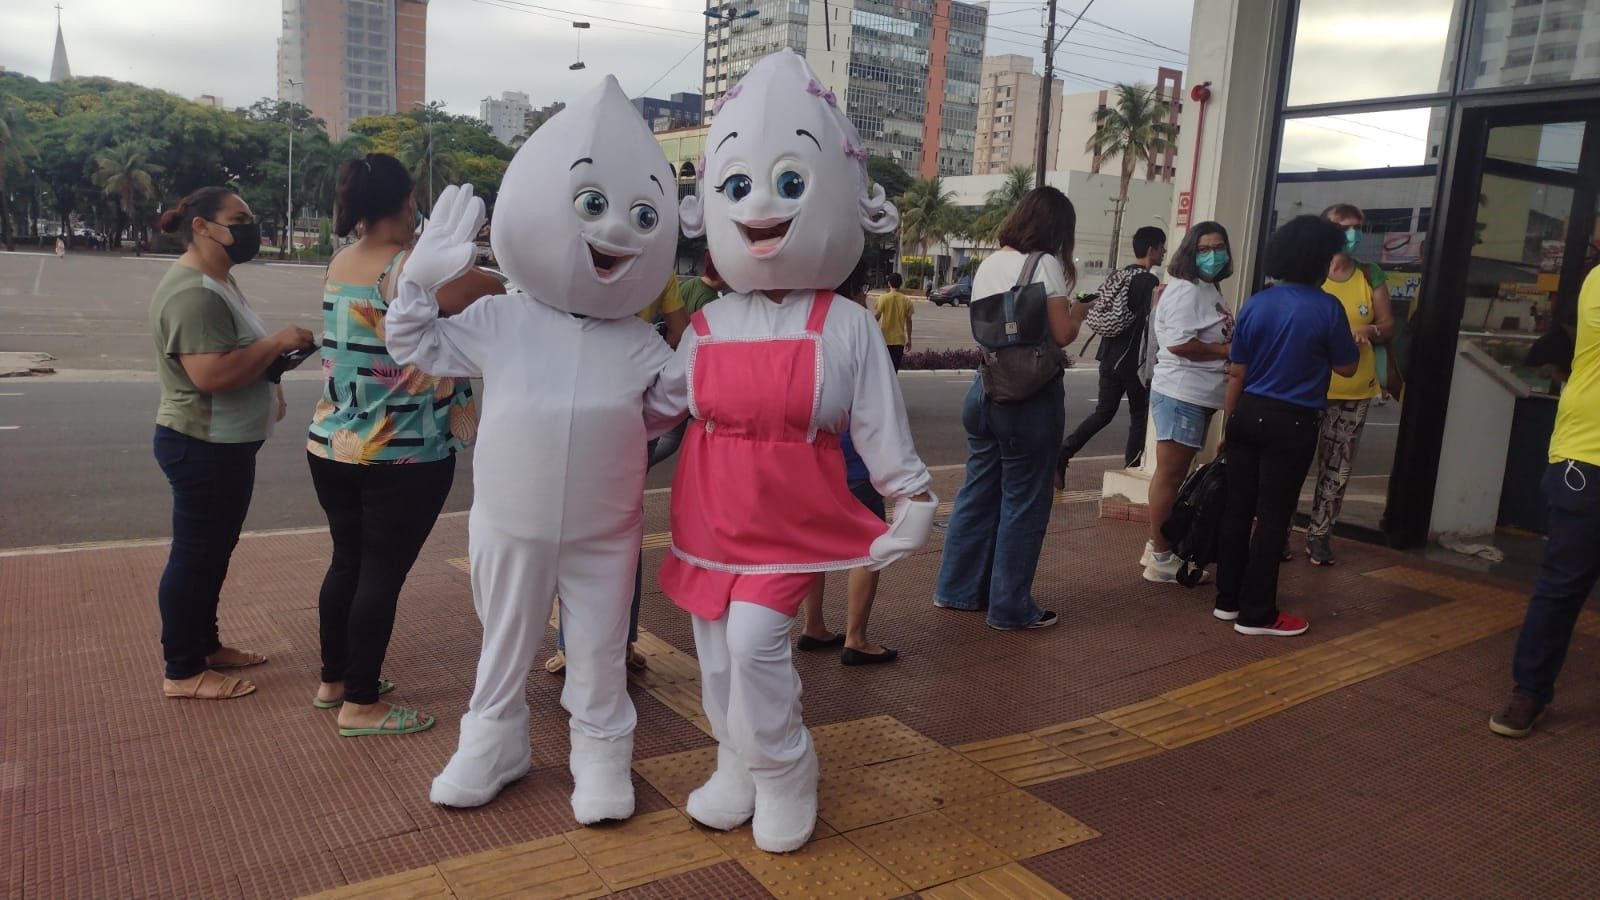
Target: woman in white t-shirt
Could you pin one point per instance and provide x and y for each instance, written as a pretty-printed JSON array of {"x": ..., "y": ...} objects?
[
  {"x": 997, "y": 526},
  {"x": 1193, "y": 328}
]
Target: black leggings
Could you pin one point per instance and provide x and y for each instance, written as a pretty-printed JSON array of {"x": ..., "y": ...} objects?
[{"x": 379, "y": 516}]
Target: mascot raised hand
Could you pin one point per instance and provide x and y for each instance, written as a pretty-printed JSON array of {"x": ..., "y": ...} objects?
[
  {"x": 586, "y": 227},
  {"x": 774, "y": 372}
]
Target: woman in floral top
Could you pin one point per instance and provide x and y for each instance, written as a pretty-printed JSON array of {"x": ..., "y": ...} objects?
[{"x": 382, "y": 444}]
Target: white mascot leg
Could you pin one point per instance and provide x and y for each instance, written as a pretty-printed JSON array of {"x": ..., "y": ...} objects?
[
  {"x": 764, "y": 719},
  {"x": 596, "y": 588},
  {"x": 513, "y": 585},
  {"x": 728, "y": 799}
]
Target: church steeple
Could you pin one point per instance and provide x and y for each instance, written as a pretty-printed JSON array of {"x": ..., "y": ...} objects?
[{"x": 59, "y": 69}]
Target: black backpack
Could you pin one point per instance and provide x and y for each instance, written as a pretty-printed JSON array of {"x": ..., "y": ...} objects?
[
  {"x": 1196, "y": 520},
  {"x": 1013, "y": 331}
]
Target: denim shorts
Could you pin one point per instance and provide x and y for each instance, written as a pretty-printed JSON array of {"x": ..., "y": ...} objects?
[{"x": 1180, "y": 421}]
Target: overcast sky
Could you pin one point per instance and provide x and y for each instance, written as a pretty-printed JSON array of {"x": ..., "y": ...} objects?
[{"x": 478, "y": 48}]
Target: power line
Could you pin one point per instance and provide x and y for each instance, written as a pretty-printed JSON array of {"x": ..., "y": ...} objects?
[
  {"x": 568, "y": 15},
  {"x": 681, "y": 60}
]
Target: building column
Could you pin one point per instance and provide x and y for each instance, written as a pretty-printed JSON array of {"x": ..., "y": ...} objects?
[{"x": 1236, "y": 46}]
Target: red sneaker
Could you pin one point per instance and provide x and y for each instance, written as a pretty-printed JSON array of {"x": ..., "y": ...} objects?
[{"x": 1286, "y": 626}]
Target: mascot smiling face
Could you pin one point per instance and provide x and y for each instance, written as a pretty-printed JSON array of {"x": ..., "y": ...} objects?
[
  {"x": 789, "y": 194},
  {"x": 587, "y": 219}
]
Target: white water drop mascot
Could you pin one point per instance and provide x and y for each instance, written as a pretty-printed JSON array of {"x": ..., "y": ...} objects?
[
  {"x": 586, "y": 228},
  {"x": 774, "y": 372}
]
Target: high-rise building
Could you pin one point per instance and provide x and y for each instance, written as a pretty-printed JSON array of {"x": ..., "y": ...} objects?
[
  {"x": 1008, "y": 115},
  {"x": 507, "y": 116},
  {"x": 906, "y": 72},
  {"x": 1077, "y": 127},
  {"x": 683, "y": 110},
  {"x": 345, "y": 59}
]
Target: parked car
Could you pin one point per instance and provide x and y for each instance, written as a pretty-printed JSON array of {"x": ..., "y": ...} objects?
[{"x": 952, "y": 295}]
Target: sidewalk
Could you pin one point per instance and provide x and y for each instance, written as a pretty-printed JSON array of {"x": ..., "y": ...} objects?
[{"x": 1139, "y": 749}]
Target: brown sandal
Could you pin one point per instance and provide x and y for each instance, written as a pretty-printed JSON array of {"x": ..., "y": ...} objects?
[
  {"x": 247, "y": 659},
  {"x": 209, "y": 686}
]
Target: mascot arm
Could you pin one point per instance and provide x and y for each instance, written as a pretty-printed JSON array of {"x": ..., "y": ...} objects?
[
  {"x": 414, "y": 332},
  {"x": 666, "y": 403}
]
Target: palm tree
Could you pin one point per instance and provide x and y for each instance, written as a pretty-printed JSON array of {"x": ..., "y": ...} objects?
[
  {"x": 419, "y": 153},
  {"x": 1000, "y": 202},
  {"x": 927, "y": 213},
  {"x": 124, "y": 172},
  {"x": 14, "y": 150},
  {"x": 1136, "y": 127}
]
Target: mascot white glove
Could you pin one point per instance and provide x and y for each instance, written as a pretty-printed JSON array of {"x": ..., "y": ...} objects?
[
  {"x": 913, "y": 523},
  {"x": 445, "y": 250}
]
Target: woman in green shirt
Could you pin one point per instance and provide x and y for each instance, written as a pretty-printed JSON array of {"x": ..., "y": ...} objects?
[{"x": 216, "y": 364}]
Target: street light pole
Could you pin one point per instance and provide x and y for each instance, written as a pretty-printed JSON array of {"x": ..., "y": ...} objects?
[{"x": 292, "y": 84}]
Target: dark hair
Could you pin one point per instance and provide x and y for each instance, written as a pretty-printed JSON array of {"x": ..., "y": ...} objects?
[
  {"x": 895, "y": 281},
  {"x": 711, "y": 269},
  {"x": 205, "y": 203},
  {"x": 1343, "y": 211},
  {"x": 1146, "y": 239},
  {"x": 1183, "y": 266},
  {"x": 854, "y": 284},
  {"x": 1300, "y": 251},
  {"x": 373, "y": 187},
  {"x": 1043, "y": 222}
]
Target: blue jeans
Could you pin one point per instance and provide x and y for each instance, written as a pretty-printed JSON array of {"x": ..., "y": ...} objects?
[
  {"x": 1569, "y": 572},
  {"x": 998, "y": 525},
  {"x": 211, "y": 489}
]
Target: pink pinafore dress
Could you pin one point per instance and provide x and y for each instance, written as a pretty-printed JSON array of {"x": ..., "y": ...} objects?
[{"x": 760, "y": 503}]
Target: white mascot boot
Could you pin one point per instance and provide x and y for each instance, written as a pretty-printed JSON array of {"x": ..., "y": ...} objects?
[
  {"x": 786, "y": 807},
  {"x": 728, "y": 799},
  {"x": 602, "y": 778},
  {"x": 491, "y": 755}
]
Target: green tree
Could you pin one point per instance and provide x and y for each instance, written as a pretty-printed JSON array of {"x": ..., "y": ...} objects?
[
  {"x": 927, "y": 213},
  {"x": 888, "y": 173},
  {"x": 15, "y": 152},
  {"x": 126, "y": 173},
  {"x": 1135, "y": 127}
]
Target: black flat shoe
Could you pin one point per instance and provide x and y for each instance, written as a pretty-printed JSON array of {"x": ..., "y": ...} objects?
[
  {"x": 849, "y": 657},
  {"x": 809, "y": 643}
]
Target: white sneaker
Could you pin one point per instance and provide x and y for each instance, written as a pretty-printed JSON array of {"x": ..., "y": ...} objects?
[
  {"x": 1163, "y": 571},
  {"x": 1149, "y": 554}
]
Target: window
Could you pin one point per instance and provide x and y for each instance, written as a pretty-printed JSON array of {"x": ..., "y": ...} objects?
[
  {"x": 1366, "y": 49},
  {"x": 1517, "y": 42}
]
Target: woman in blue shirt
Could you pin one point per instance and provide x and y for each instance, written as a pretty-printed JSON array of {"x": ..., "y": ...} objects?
[{"x": 1288, "y": 342}]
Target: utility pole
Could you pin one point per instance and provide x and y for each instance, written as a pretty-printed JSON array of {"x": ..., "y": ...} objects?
[
  {"x": 290, "y": 239},
  {"x": 1042, "y": 151}
]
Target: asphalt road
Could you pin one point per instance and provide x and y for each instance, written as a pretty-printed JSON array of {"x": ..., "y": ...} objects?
[{"x": 75, "y": 452}]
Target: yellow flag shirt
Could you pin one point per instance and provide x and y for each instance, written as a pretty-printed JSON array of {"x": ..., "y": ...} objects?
[
  {"x": 1577, "y": 434},
  {"x": 1355, "y": 295},
  {"x": 893, "y": 311}
]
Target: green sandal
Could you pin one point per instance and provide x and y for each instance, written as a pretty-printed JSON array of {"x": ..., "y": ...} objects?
[
  {"x": 384, "y": 687},
  {"x": 406, "y": 721}
]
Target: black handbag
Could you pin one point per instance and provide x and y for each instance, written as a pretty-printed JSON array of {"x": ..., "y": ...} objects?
[{"x": 1013, "y": 330}]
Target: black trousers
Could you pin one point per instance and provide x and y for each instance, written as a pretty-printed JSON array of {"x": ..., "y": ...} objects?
[
  {"x": 211, "y": 489},
  {"x": 897, "y": 355},
  {"x": 1269, "y": 451},
  {"x": 379, "y": 516},
  {"x": 1113, "y": 385}
]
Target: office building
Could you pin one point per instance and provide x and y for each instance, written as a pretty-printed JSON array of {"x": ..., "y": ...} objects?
[
  {"x": 1077, "y": 125},
  {"x": 906, "y": 72},
  {"x": 1008, "y": 115},
  {"x": 506, "y": 117},
  {"x": 345, "y": 59},
  {"x": 211, "y": 100},
  {"x": 681, "y": 111}
]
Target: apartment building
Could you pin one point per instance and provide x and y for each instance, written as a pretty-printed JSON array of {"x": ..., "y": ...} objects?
[
  {"x": 1008, "y": 115},
  {"x": 345, "y": 59}
]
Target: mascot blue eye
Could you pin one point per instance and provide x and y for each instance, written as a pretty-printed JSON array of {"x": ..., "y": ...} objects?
[
  {"x": 591, "y": 204},
  {"x": 791, "y": 184},
  {"x": 736, "y": 187},
  {"x": 645, "y": 217}
]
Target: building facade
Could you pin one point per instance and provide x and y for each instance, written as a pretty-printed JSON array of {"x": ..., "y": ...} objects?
[
  {"x": 345, "y": 59},
  {"x": 906, "y": 72},
  {"x": 1077, "y": 127},
  {"x": 507, "y": 116},
  {"x": 1470, "y": 135},
  {"x": 1008, "y": 115},
  {"x": 682, "y": 110}
]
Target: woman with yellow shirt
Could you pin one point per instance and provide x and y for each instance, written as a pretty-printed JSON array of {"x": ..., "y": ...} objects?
[{"x": 1360, "y": 289}]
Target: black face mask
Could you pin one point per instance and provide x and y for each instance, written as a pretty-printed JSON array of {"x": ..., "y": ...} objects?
[{"x": 246, "y": 242}]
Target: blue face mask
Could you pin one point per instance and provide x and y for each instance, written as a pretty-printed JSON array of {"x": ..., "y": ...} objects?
[
  {"x": 1352, "y": 240},
  {"x": 1211, "y": 262}
]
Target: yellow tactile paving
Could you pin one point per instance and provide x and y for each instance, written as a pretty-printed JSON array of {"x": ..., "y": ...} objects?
[
  {"x": 864, "y": 742},
  {"x": 1019, "y": 824},
  {"x": 832, "y": 867},
  {"x": 676, "y": 774},
  {"x": 928, "y": 849},
  {"x": 547, "y": 868},
  {"x": 857, "y": 798},
  {"x": 645, "y": 848},
  {"x": 941, "y": 777},
  {"x": 1023, "y": 759},
  {"x": 1011, "y": 882},
  {"x": 417, "y": 884},
  {"x": 1096, "y": 742}
]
